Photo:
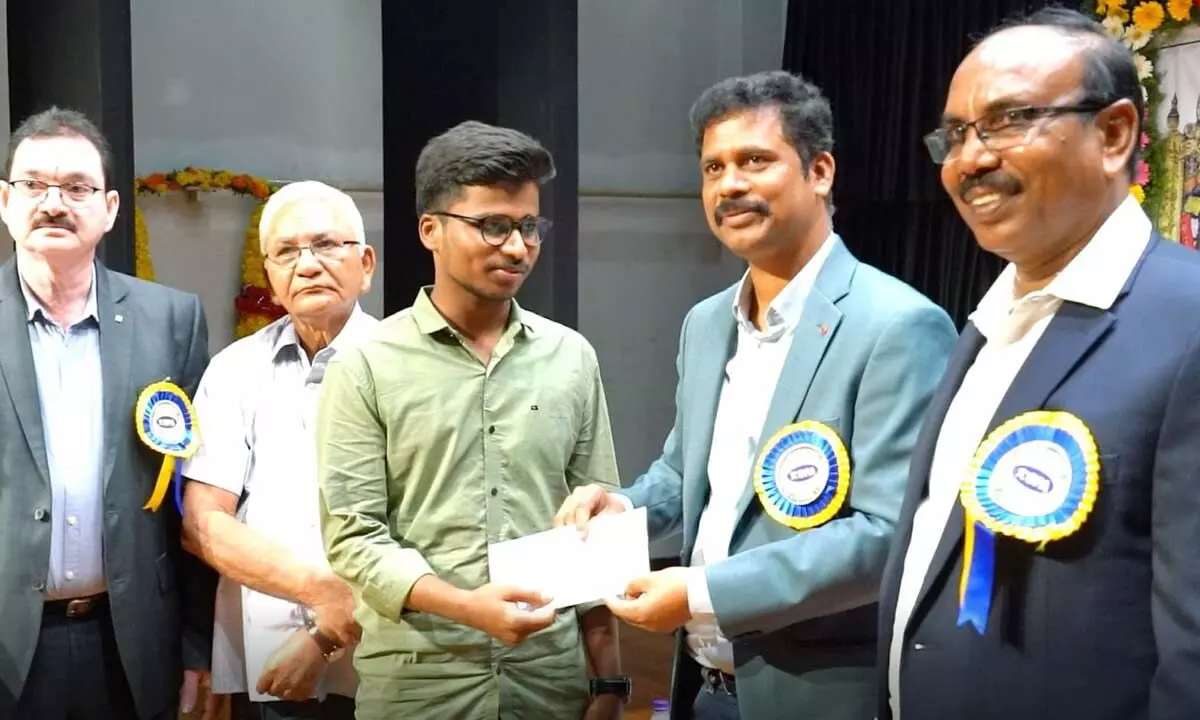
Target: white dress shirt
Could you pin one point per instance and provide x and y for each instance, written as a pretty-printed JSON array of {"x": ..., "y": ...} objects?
[
  {"x": 746, "y": 393},
  {"x": 1011, "y": 327},
  {"x": 71, "y": 395},
  {"x": 256, "y": 410}
]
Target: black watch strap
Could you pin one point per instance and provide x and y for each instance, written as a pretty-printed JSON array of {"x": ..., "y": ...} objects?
[{"x": 621, "y": 686}]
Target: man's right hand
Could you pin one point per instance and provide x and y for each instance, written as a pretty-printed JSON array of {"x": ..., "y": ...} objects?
[
  {"x": 494, "y": 610},
  {"x": 334, "y": 607},
  {"x": 585, "y": 503}
]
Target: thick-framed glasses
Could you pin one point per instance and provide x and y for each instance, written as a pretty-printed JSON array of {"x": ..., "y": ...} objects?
[
  {"x": 327, "y": 250},
  {"x": 74, "y": 193},
  {"x": 1000, "y": 130},
  {"x": 496, "y": 229}
]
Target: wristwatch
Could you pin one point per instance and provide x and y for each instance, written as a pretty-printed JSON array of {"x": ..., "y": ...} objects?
[
  {"x": 328, "y": 646},
  {"x": 621, "y": 686}
]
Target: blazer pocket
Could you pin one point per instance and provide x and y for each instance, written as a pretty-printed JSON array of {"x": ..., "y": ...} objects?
[{"x": 166, "y": 573}]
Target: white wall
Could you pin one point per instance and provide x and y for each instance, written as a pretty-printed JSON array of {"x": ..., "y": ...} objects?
[
  {"x": 283, "y": 89},
  {"x": 645, "y": 252}
]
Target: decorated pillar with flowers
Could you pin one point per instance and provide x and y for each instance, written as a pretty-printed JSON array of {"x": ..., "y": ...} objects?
[
  {"x": 1151, "y": 28},
  {"x": 253, "y": 304}
]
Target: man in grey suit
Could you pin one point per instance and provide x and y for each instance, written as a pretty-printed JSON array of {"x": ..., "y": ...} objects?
[
  {"x": 801, "y": 390},
  {"x": 102, "y": 612}
]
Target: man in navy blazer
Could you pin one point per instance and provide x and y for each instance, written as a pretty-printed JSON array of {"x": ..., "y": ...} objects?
[
  {"x": 801, "y": 390},
  {"x": 1047, "y": 561}
]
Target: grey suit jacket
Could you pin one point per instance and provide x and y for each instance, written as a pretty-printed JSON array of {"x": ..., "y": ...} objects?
[
  {"x": 799, "y": 606},
  {"x": 161, "y": 600}
]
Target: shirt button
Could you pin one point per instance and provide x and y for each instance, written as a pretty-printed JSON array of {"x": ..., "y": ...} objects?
[
  {"x": 39, "y": 585},
  {"x": 70, "y": 575},
  {"x": 918, "y": 646},
  {"x": 491, "y": 429},
  {"x": 494, "y": 491},
  {"x": 40, "y": 514},
  {"x": 72, "y": 521}
]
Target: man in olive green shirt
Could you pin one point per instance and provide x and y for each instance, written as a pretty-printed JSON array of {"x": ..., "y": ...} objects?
[{"x": 466, "y": 421}]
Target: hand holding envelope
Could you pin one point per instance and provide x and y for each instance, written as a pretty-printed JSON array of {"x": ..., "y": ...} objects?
[{"x": 658, "y": 601}]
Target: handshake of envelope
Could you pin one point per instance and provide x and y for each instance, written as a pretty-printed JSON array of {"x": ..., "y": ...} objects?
[{"x": 571, "y": 569}]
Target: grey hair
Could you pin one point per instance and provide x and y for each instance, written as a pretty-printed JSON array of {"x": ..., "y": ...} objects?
[{"x": 304, "y": 191}]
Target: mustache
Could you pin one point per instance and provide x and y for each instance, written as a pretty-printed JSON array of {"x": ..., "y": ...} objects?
[
  {"x": 62, "y": 221},
  {"x": 735, "y": 205},
  {"x": 996, "y": 180},
  {"x": 521, "y": 267}
]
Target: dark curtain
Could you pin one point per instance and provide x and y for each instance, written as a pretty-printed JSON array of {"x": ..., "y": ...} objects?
[{"x": 885, "y": 67}]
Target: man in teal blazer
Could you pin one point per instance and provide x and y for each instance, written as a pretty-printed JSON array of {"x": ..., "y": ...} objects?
[{"x": 801, "y": 391}]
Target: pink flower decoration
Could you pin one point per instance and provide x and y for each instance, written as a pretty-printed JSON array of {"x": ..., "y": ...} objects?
[
  {"x": 1146, "y": 136},
  {"x": 1143, "y": 173}
]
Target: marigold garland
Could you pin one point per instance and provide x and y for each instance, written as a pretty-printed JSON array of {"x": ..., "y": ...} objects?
[
  {"x": 254, "y": 306},
  {"x": 1136, "y": 28}
]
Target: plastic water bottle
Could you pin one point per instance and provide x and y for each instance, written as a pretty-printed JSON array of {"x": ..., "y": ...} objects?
[{"x": 660, "y": 709}]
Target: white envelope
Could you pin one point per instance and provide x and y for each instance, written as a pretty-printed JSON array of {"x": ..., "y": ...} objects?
[{"x": 573, "y": 571}]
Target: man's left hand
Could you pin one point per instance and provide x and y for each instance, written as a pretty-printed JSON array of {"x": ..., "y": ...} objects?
[
  {"x": 603, "y": 707},
  {"x": 193, "y": 682},
  {"x": 294, "y": 669},
  {"x": 657, "y": 602}
]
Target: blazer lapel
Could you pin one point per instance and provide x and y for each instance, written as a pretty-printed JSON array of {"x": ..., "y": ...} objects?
[
  {"x": 1072, "y": 333},
  {"x": 16, "y": 365},
  {"x": 116, "y": 353},
  {"x": 715, "y": 340},
  {"x": 818, "y": 326}
]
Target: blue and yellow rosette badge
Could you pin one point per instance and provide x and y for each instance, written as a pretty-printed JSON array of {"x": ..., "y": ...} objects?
[
  {"x": 1035, "y": 478},
  {"x": 167, "y": 424},
  {"x": 802, "y": 475}
]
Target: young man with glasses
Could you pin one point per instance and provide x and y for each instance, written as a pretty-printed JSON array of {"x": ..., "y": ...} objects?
[
  {"x": 103, "y": 616},
  {"x": 466, "y": 421},
  {"x": 1045, "y": 562},
  {"x": 283, "y": 619}
]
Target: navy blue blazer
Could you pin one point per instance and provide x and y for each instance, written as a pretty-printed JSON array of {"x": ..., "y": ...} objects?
[{"x": 1104, "y": 624}]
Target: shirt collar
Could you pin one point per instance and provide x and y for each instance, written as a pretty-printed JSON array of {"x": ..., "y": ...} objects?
[
  {"x": 33, "y": 305},
  {"x": 430, "y": 320},
  {"x": 357, "y": 325},
  {"x": 783, "y": 313},
  {"x": 1094, "y": 277}
]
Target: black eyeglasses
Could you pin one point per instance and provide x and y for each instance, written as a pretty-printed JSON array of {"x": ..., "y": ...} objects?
[
  {"x": 496, "y": 229},
  {"x": 72, "y": 192},
  {"x": 1000, "y": 130}
]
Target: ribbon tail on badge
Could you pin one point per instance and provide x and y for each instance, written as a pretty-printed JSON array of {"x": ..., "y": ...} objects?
[
  {"x": 170, "y": 470},
  {"x": 975, "y": 585}
]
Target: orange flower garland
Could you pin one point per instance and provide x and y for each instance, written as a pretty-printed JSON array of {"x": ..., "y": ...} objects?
[{"x": 254, "y": 306}]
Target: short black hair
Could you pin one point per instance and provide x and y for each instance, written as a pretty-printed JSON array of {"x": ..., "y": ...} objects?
[
  {"x": 1109, "y": 72},
  {"x": 475, "y": 153},
  {"x": 806, "y": 115},
  {"x": 60, "y": 122}
]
